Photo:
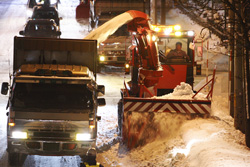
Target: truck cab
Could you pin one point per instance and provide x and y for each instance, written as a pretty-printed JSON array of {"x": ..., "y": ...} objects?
[{"x": 53, "y": 98}]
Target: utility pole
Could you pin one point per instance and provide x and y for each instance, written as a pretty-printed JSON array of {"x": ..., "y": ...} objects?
[
  {"x": 231, "y": 59},
  {"x": 246, "y": 16},
  {"x": 153, "y": 11},
  {"x": 163, "y": 12},
  {"x": 239, "y": 109}
]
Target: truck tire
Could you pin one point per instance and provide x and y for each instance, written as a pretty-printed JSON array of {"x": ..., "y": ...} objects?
[
  {"x": 90, "y": 160},
  {"x": 15, "y": 159}
]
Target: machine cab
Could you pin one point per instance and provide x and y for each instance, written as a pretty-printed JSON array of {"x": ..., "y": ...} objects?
[{"x": 176, "y": 57}]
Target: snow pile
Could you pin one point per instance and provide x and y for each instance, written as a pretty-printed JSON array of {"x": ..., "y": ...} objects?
[
  {"x": 101, "y": 33},
  {"x": 182, "y": 91}
]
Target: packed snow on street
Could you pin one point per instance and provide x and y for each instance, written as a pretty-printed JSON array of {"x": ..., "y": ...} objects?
[{"x": 182, "y": 141}]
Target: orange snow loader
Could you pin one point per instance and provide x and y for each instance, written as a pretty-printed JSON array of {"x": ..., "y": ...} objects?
[{"x": 155, "y": 72}]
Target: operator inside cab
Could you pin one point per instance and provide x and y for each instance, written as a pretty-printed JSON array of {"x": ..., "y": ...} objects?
[
  {"x": 178, "y": 53},
  {"x": 175, "y": 55}
]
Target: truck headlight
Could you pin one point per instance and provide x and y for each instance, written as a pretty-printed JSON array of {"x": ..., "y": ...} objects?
[
  {"x": 126, "y": 65},
  {"x": 19, "y": 135},
  {"x": 83, "y": 136},
  {"x": 102, "y": 58}
]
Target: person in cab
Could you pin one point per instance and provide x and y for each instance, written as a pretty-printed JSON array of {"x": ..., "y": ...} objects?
[{"x": 177, "y": 53}]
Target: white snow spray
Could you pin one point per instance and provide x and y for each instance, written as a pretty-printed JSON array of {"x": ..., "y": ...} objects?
[{"x": 101, "y": 33}]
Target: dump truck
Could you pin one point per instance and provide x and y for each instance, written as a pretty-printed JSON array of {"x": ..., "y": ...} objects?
[
  {"x": 115, "y": 50},
  {"x": 53, "y": 99}
]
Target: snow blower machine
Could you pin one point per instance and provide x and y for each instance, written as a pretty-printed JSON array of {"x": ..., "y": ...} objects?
[{"x": 156, "y": 73}]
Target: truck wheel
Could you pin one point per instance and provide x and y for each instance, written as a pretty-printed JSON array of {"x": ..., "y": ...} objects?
[
  {"x": 15, "y": 159},
  {"x": 91, "y": 160}
]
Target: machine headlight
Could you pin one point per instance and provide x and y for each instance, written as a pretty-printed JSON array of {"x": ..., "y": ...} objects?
[
  {"x": 190, "y": 33},
  {"x": 178, "y": 33},
  {"x": 167, "y": 31},
  {"x": 83, "y": 136},
  {"x": 157, "y": 29},
  {"x": 102, "y": 58},
  {"x": 154, "y": 38},
  {"x": 19, "y": 135},
  {"x": 177, "y": 27}
]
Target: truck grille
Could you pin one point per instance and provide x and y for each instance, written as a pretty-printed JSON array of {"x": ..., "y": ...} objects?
[
  {"x": 121, "y": 59},
  {"x": 51, "y": 134},
  {"x": 51, "y": 146}
]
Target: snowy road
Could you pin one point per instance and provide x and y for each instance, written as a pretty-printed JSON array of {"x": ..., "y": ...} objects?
[{"x": 192, "y": 143}]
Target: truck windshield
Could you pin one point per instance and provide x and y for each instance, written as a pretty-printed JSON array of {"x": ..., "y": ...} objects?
[{"x": 52, "y": 96}]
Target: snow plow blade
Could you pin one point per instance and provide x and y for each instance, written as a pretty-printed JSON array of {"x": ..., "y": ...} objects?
[{"x": 138, "y": 120}]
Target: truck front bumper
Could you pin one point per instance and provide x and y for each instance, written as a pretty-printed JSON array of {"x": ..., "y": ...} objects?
[{"x": 58, "y": 148}]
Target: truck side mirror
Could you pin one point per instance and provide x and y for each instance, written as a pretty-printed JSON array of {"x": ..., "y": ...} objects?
[
  {"x": 101, "y": 90},
  {"x": 101, "y": 102},
  {"x": 21, "y": 32},
  {"x": 5, "y": 88}
]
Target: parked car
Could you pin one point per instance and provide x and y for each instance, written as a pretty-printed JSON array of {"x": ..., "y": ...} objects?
[
  {"x": 41, "y": 28},
  {"x": 45, "y": 12}
]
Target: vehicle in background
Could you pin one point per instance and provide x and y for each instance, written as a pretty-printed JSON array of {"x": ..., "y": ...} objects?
[
  {"x": 120, "y": 6},
  {"x": 41, "y": 28},
  {"x": 44, "y": 12},
  {"x": 115, "y": 50},
  {"x": 52, "y": 3},
  {"x": 31, "y": 3},
  {"x": 85, "y": 14},
  {"x": 53, "y": 99}
]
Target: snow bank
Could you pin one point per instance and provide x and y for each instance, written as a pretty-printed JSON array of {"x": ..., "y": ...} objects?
[
  {"x": 182, "y": 91},
  {"x": 101, "y": 33}
]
